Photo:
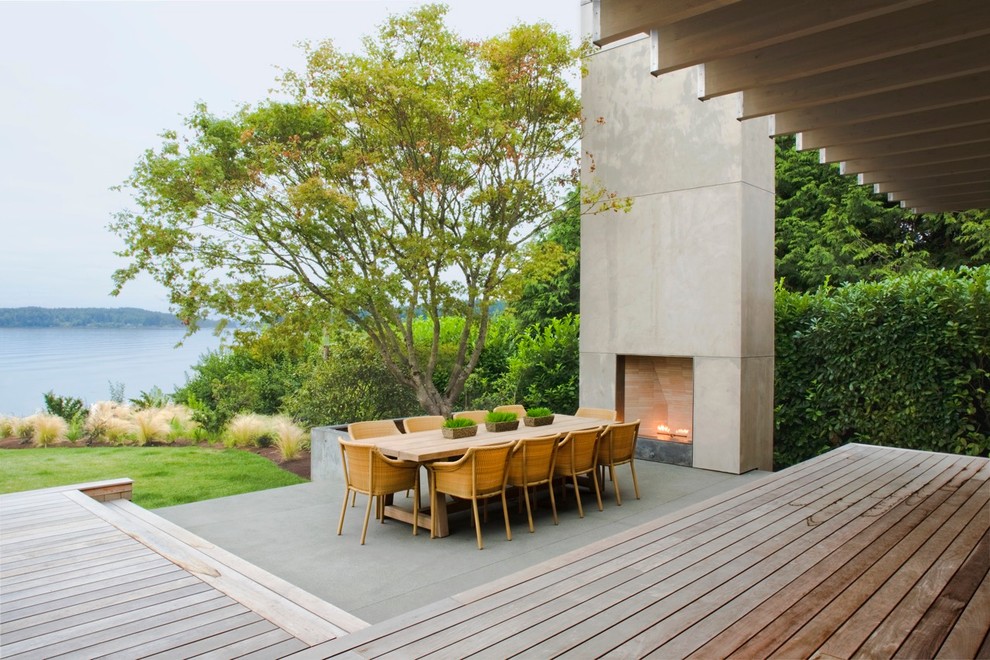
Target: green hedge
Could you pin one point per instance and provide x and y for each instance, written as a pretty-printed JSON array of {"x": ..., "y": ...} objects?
[{"x": 903, "y": 363}]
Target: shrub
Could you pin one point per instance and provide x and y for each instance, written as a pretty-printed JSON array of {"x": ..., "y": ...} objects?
[
  {"x": 150, "y": 425},
  {"x": 459, "y": 422},
  {"x": 66, "y": 407},
  {"x": 496, "y": 417},
  {"x": 289, "y": 438},
  {"x": 153, "y": 398},
  {"x": 246, "y": 430},
  {"x": 75, "y": 431},
  {"x": 7, "y": 426},
  {"x": 231, "y": 381},
  {"x": 353, "y": 384},
  {"x": 48, "y": 429},
  {"x": 904, "y": 362},
  {"x": 544, "y": 369}
]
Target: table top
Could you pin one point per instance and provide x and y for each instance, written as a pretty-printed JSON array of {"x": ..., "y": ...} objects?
[{"x": 424, "y": 446}]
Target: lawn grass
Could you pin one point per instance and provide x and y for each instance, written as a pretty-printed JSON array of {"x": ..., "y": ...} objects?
[{"x": 162, "y": 476}]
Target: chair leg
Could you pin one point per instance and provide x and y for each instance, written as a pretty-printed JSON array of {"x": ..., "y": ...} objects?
[
  {"x": 343, "y": 510},
  {"x": 416, "y": 508},
  {"x": 615, "y": 485},
  {"x": 598, "y": 490},
  {"x": 477, "y": 521},
  {"x": 632, "y": 468},
  {"x": 505, "y": 514},
  {"x": 367, "y": 517},
  {"x": 529, "y": 511},
  {"x": 433, "y": 510},
  {"x": 577, "y": 494},
  {"x": 354, "y": 498},
  {"x": 553, "y": 503}
]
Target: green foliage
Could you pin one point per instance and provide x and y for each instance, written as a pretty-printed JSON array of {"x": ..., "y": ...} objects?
[
  {"x": 496, "y": 417},
  {"x": 66, "y": 407},
  {"x": 228, "y": 382},
  {"x": 154, "y": 398},
  {"x": 165, "y": 476},
  {"x": 904, "y": 362},
  {"x": 353, "y": 384},
  {"x": 458, "y": 422},
  {"x": 544, "y": 368},
  {"x": 401, "y": 183},
  {"x": 831, "y": 229},
  {"x": 557, "y": 295},
  {"x": 538, "y": 412}
]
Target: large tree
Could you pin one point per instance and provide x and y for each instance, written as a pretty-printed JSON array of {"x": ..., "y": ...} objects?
[{"x": 402, "y": 182}]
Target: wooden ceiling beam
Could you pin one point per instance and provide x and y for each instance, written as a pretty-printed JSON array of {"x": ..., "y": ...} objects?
[
  {"x": 754, "y": 24},
  {"x": 982, "y": 188},
  {"x": 910, "y": 30},
  {"x": 918, "y": 68},
  {"x": 930, "y": 157},
  {"x": 613, "y": 20},
  {"x": 933, "y": 209},
  {"x": 966, "y": 114},
  {"x": 908, "y": 144},
  {"x": 941, "y": 94},
  {"x": 947, "y": 205},
  {"x": 917, "y": 173},
  {"x": 933, "y": 182}
]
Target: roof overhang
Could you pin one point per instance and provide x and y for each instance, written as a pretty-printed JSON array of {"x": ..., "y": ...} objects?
[{"x": 896, "y": 91}]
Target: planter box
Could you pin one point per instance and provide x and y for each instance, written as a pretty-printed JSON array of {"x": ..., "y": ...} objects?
[
  {"x": 459, "y": 432},
  {"x": 538, "y": 421},
  {"x": 498, "y": 427}
]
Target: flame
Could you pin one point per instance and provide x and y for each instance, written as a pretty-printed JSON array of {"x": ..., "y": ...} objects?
[
  {"x": 683, "y": 431},
  {"x": 663, "y": 429}
]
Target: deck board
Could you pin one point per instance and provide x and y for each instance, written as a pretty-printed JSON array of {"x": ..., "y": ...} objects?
[
  {"x": 865, "y": 551},
  {"x": 87, "y": 578}
]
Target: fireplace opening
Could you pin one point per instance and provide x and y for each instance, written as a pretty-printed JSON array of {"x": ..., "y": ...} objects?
[{"x": 658, "y": 391}]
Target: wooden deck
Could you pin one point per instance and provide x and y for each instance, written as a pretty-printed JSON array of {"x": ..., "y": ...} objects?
[
  {"x": 862, "y": 552},
  {"x": 86, "y": 578}
]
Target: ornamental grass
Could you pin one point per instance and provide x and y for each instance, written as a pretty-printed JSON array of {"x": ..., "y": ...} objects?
[
  {"x": 288, "y": 437},
  {"x": 47, "y": 429}
]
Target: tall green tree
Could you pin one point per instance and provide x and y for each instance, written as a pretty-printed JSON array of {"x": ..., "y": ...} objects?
[
  {"x": 830, "y": 228},
  {"x": 402, "y": 182}
]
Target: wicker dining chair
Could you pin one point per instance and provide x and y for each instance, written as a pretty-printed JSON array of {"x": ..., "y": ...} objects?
[
  {"x": 617, "y": 446},
  {"x": 512, "y": 408},
  {"x": 373, "y": 429},
  {"x": 578, "y": 455},
  {"x": 422, "y": 423},
  {"x": 479, "y": 474},
  {"x": 477, "y": 416},
  {"x": 531, "y": 464},
  {"x": 368, "y": 471},
  {"x": 597, "y": 413}
]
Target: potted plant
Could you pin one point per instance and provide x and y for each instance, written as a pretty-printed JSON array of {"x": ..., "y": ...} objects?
[
  {"x": 458, "y": 428},
  {"x": 496, "y": 422},
  {"x": 538, "y": 417}
]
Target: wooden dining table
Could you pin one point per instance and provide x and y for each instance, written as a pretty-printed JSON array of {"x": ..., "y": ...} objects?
[{"x": 427, "y": 446}]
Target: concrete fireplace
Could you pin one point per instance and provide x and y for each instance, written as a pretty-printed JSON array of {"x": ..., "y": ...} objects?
[{"x": 681, "y": 288}]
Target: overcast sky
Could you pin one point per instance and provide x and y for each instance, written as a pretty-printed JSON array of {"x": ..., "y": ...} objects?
[{"x": 88, "y": 86}]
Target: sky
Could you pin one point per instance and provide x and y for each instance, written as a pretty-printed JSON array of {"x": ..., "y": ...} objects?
[{"x": 87, "y": 87}]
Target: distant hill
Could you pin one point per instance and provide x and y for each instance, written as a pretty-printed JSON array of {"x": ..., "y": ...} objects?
[{"x": 85, "y": 317}]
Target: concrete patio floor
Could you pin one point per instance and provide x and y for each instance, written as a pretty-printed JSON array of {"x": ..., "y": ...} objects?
[{"x": 291, "y": 532}]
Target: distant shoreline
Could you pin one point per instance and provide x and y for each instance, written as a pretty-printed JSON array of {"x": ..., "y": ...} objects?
[{"x": 89, "y": 317}]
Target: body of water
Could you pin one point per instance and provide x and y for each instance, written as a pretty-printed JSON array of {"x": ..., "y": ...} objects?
[{"x": 82, "y": 362}]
